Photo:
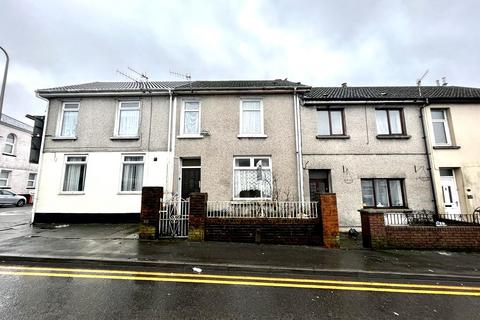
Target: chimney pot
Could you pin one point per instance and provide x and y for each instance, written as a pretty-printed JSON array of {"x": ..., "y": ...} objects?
[{"x": 344, "y": 85}]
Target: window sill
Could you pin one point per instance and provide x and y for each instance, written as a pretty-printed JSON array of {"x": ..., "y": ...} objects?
[
  {"x": 125, "y": 138},
  {"x": 129, "y": 192},
  {"x": 8, "y": 154},
  {"x": 393, "y": 136},
  {"x": 252, "y": 136},
  {"x": 6, "y": 187},
  {"x": 64, "y": 138},
  {"x": 71, "y": 193},
  {"x": 446, "y": 147},
  {"x": 385, "y": 209},
  {"x": 243, "y": 200},
  {"x": 30, "y": 188},
  {"x": 196, "y": 136},
  {"x": 321, "y": 137}
]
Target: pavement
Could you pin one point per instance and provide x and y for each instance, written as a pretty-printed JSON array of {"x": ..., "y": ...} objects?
[{"x": 118, "y": 243}]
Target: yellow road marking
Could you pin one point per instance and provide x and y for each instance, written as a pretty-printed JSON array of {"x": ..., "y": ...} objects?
[
  {"x": 228, "y": 282},
  {"x": 244, "y": 278}
]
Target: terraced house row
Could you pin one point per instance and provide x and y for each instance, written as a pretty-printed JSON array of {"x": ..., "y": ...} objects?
[{"x": 397, "y": 148}]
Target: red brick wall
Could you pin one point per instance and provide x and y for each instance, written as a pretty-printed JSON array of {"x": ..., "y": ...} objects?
[
  {"x": 150, "y": 211},
  {"x": 275, "y": 231},
  {"x": 329, "y": 217},
  {"x": 450, "y": 237}
]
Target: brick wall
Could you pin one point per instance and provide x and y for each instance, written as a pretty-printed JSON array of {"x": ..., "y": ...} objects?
[
  {"x": 274, "y": 231},
  {"x": 149, "y": 213},
  {"x": 378, "y": 236},
  {"x": 329, "y": 218}
]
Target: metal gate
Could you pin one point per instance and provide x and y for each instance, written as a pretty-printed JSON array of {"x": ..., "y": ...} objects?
[{"x": 174, "y": 218}]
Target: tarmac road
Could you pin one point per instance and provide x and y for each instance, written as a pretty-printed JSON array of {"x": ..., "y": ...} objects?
[{"x": 103, "y": 291}]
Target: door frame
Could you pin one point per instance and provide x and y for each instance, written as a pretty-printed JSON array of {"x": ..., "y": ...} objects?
[
  {"x": 180, "y": 181},
  {"x": 455, "y": 184}
]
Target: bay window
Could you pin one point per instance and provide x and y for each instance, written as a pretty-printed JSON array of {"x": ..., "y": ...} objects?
[
  {"x": 190, "y": 118},
  {"x": 128, "y": 119},
  {"x": 383, "y": 193},
  {"x": 389, "y": 121},
  {"x": 68, "y": 120},
  {"x": 132, "y": 173},
  {"x": 75, "y": 172},
  {"x": 252, "y": 178},
  {"x": 251, "y": 118}
]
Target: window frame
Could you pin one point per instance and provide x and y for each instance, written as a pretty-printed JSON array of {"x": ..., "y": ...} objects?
[
  {"x": 116, "y": 132},
  {"x": 402, "y": 122},
  {"x": 251, "y": 167},
  {"x": 182, "y": 120},
  {"x": 65, "y": 162},
  {"x": 402, "y": 185},
  {"x": 34, "y": 180},
  {"x": 262, "y": 120},
  {"x": 62, "y": 113},
  {"x": 13, "y": 144},
  {"x": 122, "y": 162},
  {"x": 446, "y": 127},
  {"x": 8, "y": 179},
  {"x": 329, "y": 110}
]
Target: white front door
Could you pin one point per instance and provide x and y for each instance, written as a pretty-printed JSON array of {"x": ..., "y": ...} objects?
[{"x": 450, "y": 195}]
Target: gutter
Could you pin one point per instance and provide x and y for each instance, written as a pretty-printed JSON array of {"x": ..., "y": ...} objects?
[
  {"x": 427, "y": 152},
  {"x": 40, "y": 159},
  {"x": 362, "y": 102}
]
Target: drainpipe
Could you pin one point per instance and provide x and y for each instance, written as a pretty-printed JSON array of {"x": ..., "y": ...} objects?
[
  {"x": 40, "y": 159},
  {"x": 4, "y": 82},
  {"x": 174, "y": 130},
  {"x": 298, "y": 148},
  {"x": 427, "y": 152},
  {"x": 169, "y": 176}
]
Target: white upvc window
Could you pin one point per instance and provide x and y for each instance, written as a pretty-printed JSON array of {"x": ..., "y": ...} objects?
[
  {"x": 441, "y": 131},
  {"x": 128, "y": 119},
  {"x": 74, "y": 174},
  {"x": 251, "y": 118},
  {"x": 252, "y": 178},
  {"x": 132, "y": 173},
  {"x": 190, "y": 119},
  {"x": 10, "y": 144},
  {"x": 32, "y": 177},
  {"x": 68, "y": 120},
  {"x": 5, "y": 178}
]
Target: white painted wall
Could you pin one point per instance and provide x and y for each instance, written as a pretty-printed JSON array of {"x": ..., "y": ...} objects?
[{"x": 102, "y": 183}]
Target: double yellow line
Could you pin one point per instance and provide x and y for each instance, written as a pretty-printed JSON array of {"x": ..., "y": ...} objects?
[{"x": 241, "y": 280}]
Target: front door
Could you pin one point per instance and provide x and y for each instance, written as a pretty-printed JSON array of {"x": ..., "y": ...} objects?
[
  {"x": 449, "y": 191},
  {"x": 190, "y": 177},
  {"x": 319, "y": 181}
]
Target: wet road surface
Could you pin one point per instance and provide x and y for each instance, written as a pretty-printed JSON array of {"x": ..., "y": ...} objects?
[{"x": 76, "y": 291}]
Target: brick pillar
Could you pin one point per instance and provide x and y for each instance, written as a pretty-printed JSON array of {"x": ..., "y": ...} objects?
[
  {"x": 373, "y": 229},
  {"x": 329, "y": 216},
  {"x": 149, "y": 214},
  {"x": 198, "y": 214}
]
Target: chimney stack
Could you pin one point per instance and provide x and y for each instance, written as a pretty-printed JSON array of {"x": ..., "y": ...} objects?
[
  {"x": 438, "y": 83},
  {"x": 444, "y": 81},
  {"x": 344, "y": 85}
]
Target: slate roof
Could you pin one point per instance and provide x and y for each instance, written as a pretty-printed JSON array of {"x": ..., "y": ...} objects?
[
  {"x": 177, "y": 85},
  {"x": 393, "y": 93}
]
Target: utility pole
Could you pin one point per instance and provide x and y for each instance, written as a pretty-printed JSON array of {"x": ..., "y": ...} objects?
[{"x": 4, "y": 82}]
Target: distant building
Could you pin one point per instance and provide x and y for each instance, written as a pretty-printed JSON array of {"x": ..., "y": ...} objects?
[{"x": 17, "y": 174}]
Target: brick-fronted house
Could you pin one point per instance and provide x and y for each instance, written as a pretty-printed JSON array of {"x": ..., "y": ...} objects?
[{"x": 104, "y": 141}]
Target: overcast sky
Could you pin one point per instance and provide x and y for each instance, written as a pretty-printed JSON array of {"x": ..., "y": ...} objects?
[{"x": 320, "y": 43}]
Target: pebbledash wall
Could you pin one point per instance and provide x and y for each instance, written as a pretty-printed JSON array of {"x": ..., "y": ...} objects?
[
  {"x": 361, "y": 154},
  {"x": 95, "y": 127},
  {"x": 218, "y": 150}
]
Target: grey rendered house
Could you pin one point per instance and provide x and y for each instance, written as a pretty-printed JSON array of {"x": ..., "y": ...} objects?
[{"x": 104, "y": 141}]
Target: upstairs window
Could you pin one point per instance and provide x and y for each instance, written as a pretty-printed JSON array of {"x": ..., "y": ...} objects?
[
  {"x": 383, "y": 193},
  {"x": 191, "y": 118},
  {"x": 251, "y": 117},
  {"x": 441, "y": 131},
  {"x": 128, "y": 119},
  {"x": 389, "y": 121},
  {"x": 10, "y": 144},
  {"x": 330, "y": 122},
  {"x": 69, "y": 119},
  {"x": 31, "y": 180},
  {"x": 4, "y": 178},
  {"x": 252, "y": 177},
  {"x": 75, "y": 172},
  {"x": 132, "y": 173}
]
